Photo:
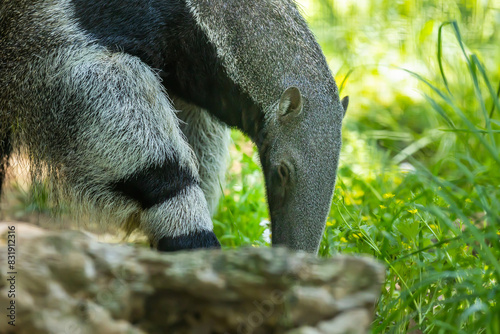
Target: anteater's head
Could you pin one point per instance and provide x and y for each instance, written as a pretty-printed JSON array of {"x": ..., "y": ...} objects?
[
  {"x": 267, "y": 51},
  {"x": 299, "y": 156}
]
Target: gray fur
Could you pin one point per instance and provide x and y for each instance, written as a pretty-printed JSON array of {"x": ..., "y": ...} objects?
[
  {"x": 88, "y": 116},
  {"x": 184, "y": 214},
  {"x": 209, "y": 139},
  {"x": 264, "y": 45}
]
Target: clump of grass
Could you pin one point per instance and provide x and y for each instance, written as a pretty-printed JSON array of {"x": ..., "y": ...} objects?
[
  {"x": 241, "y": 219},
  {"x": 34, "y": 200},
  {"x": 436, "y": 227}
]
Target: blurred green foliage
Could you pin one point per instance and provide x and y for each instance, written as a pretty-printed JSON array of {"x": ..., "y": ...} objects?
[{"x": 418, "y": 183}]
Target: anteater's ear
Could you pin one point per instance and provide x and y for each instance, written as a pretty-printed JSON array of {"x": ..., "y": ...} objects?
[
  {"x": 290, "y": 102},
  {"x": 345, "y": 103}
]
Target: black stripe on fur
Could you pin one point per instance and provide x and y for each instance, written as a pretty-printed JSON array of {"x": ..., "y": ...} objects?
[
  {"x": 165, "y": 36},
  {"x": 5, "y": 151},
  {"x": 201, "y": 239},
  {"x": 156, "y": 184}
]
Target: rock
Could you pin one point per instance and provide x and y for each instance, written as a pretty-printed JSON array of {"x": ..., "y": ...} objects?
[{"x": 68, "y": 282}]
